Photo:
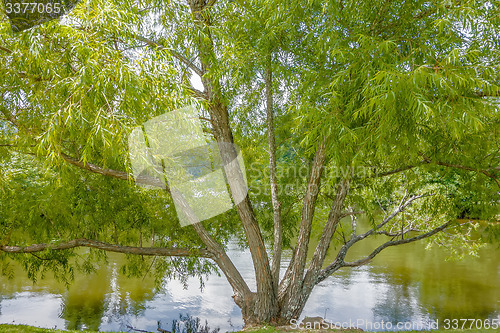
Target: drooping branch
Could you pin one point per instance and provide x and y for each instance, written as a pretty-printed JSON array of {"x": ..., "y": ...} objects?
[
  {"x": 144, "y": 180},
  {"x": 146, "y": 251},
  {"x": 241, "y": 289},
  {"x": 214, "y": 252},
  {"x": 388, "y": 173},
  {"x": 462, "y": 167},
  {"x": 95, "y": 168}
]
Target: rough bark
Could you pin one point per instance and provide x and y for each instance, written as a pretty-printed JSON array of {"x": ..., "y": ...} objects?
[
  {"x": 310, "y": 279},
  {"x": 265, "y": 308},
  {"x": 293, "y": 297},
  {"x": 328, "y": 231}
]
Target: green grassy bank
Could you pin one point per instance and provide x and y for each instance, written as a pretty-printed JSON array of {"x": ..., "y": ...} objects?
[
  {"x": 4, "y": 328},
  {"x": 29, "y": 329}
]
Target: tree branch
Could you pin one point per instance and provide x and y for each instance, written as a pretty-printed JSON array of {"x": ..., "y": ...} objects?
[
  {"x": 393, "y": 243},
  {"x": 339, "y": 263},
  {"x": 388, "y": 173},
  {"x": 5, "y": 49},
  {"x": 273, "y": 178},
  {"x": 293, "y": 282},
  {"x": 396, "y": 234},
  {"x": 147, "y": 251},
  {"x": 145, "y": 180},
  {"x": 178, "y": 56},
  {"x": 218, "y": 254},
  {"x": 327, "y": 235},
  {"x": 199, "y": 93},
  {"x": 339, "y": 260},
  {"x": 95, "y": 168},
  {"x": 457, "y": 166}
]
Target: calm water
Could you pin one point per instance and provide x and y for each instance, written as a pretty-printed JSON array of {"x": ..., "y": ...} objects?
[{"x": 403, "y": 284}]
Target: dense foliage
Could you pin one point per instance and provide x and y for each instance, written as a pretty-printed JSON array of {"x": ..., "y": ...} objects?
[{"x": 395, "y": 102}]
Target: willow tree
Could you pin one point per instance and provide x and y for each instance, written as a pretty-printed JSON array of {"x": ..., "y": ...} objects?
[{"x": 384, "y": 108}]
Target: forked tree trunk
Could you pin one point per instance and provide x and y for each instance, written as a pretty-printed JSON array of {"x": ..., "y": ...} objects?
[
  {"x": 264, "y": 303},
  {"x": 255, "y": 315},
  {"x": 267, "y": 305}
]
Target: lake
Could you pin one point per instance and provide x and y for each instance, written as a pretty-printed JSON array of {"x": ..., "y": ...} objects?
[{"x": 405, "y": 284}]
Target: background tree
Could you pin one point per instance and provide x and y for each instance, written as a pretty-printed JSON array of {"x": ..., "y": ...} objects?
[{"x": 385, "y": 108}]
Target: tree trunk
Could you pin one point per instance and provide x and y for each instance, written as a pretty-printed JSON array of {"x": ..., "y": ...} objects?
[
  {"x": 291, "y": 296},
  {"x": 264, "y": 303},
  {"x": 265, "y": 300},
  {"x": 275, "y": 268}
]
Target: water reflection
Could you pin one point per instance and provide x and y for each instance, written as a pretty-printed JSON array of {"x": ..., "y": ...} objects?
[
  {"x": 410, "y": 284},
  {"x": 38, "y": 309},
  {"x": 403, "y": 284},
  {"x": 84, "y": 310}
]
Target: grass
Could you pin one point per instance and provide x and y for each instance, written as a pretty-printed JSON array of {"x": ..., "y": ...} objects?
[
  {"x": 28, "y": 329},
  {"x": 277, "y": 330},
  {"x": 4, "y": 328}
]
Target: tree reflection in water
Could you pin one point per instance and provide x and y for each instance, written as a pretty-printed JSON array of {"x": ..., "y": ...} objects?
[{"x": 402, "y": 285}]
